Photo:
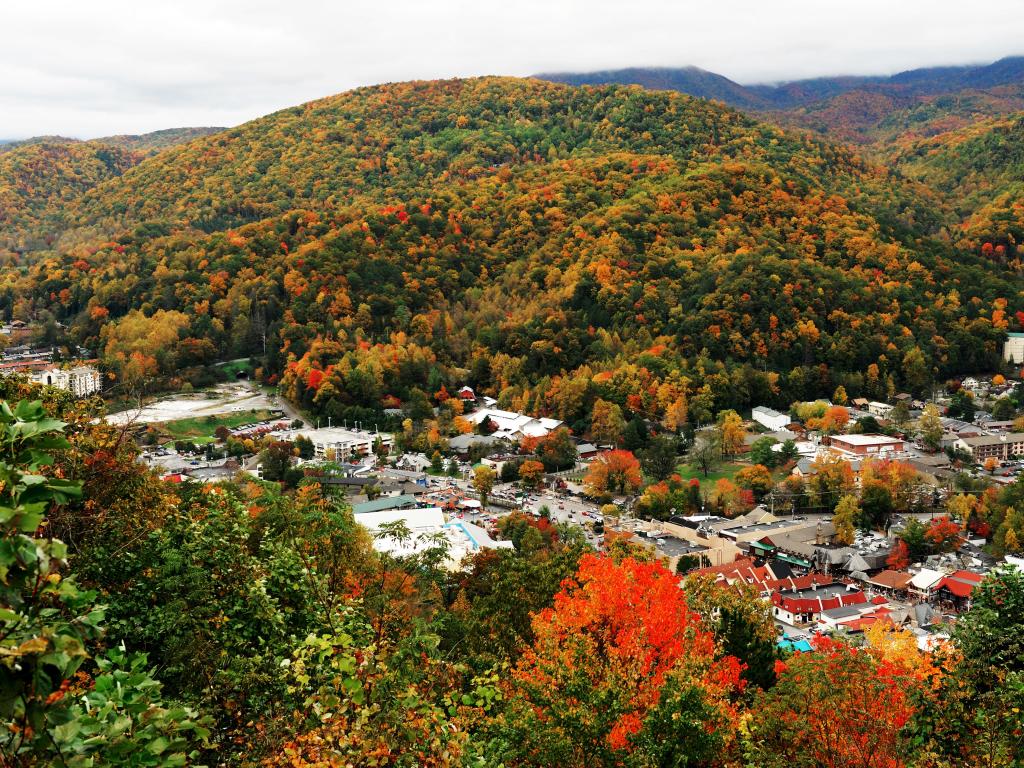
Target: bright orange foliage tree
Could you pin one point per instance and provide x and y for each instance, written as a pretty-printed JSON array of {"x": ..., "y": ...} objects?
[{"x": 616, "y": 659}]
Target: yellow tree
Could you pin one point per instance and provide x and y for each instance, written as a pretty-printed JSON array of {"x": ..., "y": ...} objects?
[
  {"x": 845, "y": 519},
  {"x": 483, "y": 482},
  {"x": 731, "y": 432}
]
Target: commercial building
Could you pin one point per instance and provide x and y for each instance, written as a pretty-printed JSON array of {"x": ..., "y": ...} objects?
[
  {"x": 770, "y": 419},
  {"x": 867, "y": 445},
  {"x": 1002, "y": 447},
  {"x": 340, "y": 444}
]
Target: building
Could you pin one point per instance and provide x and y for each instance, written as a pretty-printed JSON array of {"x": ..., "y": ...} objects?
[
  {"x": 806, "y": 605},
  {"x": 340, "y": 444},
  {"x": 867, "y": 445},
  {"x": 81, "y": 381},
  {"x": 514, "y": 426},
  {"x": 1013, "y": 348},
  {"x": 770, "y": 419},
  {"x": 1001, "y": 447},
  {"x": 427, "y": 529},
  {"x": 882, "y": 410}
]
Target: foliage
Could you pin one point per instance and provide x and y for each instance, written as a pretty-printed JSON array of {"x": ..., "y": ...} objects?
[{"x": 589, "y": 687}]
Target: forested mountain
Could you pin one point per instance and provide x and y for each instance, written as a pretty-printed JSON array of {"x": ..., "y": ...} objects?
[
  {"x": 548, "y": 243},
  {"x": 40, "y": 180},
  {"x": 981, "y": 168},
  {"x": 800, "y": 93},
  {"x": 157, "y": 140},
  {"x": 851, "y": 109}
]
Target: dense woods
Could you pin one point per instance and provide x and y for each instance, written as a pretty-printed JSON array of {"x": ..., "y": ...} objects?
[{"x": 548, "y": 244}]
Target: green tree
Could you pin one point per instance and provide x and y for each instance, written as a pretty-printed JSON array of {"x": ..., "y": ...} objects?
[
  {"x": 50, "y": 626},
  {"x": 483, "y": 482},
  {"x": 761, "y": 452},
  {"x": 658, "y": 460}
]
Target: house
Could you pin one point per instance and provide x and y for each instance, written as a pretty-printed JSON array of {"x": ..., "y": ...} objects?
[
  {"x": 923, "y": 582},
  {"x": 958, "y": 587},
  {"x": 890, "y": 581},
  {"x": 414, "y": 462},
  {"x": 462, "y": 444},
  {"x": 867, "y": 445},
  {"x": 466, "y": 393},
  {"x": 1000, "y": 447},
  {"x": 860, "y": 403},
  {"x": 772, "y": 420}
]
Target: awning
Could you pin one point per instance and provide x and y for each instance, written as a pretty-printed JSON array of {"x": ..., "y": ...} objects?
[{"x": 792, "y": 560}]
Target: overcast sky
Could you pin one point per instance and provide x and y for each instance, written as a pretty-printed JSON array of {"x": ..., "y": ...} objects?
[{"x": 91, "y": 68}]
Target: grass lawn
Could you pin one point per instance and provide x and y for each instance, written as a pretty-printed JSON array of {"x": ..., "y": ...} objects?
[
  {"x": 724, "y": 469},
  {"x": 205, "y": 426}
]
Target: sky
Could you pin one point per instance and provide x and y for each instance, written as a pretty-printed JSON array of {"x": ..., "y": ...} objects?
[{"x": 88, "y": 68}]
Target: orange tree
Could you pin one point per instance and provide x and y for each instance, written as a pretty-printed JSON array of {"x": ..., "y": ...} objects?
[
  {"x": 835, "y": 707},
  {"x": 621, "y": 671},
  {"x": 613, "y": 472}
]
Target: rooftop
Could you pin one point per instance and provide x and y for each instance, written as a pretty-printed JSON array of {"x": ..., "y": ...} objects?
[{"x": 874, "y": 439}]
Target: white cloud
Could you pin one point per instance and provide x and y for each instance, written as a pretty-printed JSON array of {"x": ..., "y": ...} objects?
[{"x": 112, "y": 66}]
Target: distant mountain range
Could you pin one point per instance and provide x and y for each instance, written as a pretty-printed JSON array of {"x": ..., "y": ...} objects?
[
  {"x": 144, "y": 142},
  {"x": 800, "y": 93}
]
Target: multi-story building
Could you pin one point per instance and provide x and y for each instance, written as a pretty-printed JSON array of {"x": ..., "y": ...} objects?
[
  {"x": 1002, "y": 447},
  {"x": 81, "y": 381}
]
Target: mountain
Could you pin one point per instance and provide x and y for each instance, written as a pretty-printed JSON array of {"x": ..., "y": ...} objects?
[
  {"x": 853, "y": 109},
  {"x": 157, "y": 140},
  {"x": 545, "y": 242},
  {"x": 41, "y": 177},
  {"x": 689, "y": 80},
  {"x": 981, "y": 168},
  {"x": 800, "y": 93},
  {"x": 39, "y": 180}
]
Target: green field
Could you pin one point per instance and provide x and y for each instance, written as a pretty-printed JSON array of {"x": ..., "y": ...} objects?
[
  {"x": 725, "y": 469},
  {"x": 200, "y": 427}
]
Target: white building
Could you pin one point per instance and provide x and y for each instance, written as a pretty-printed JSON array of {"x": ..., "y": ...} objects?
[
  {"x": 81, "y": 381},
  {"x": 428, "y": 528},
  {"x": 1013, "y": 348},
  {"x": 770, "y": 419},
  {"x": 341, "y": 444},
  {"x": 514, "y": 426},
  {"x": 881, "y": 410}
]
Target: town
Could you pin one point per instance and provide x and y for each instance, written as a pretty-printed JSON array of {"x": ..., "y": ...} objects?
[{"x": 841, "y": 513}]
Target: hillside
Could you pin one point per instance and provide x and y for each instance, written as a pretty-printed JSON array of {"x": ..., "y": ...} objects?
[
  {"x": 545, "y": 242},
  {"x": 40, "y": 180},
  {"x": 859, "y": 110},
  {"x": 981, "y": 166},
  {"x": 157, "y": 140}
]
